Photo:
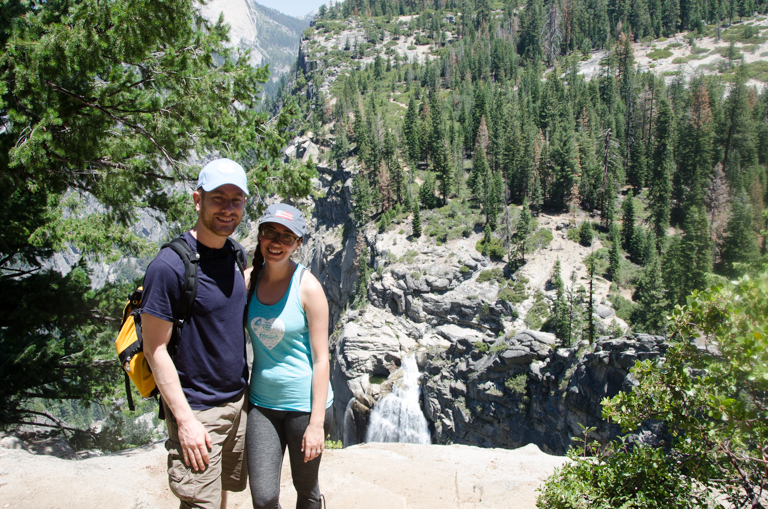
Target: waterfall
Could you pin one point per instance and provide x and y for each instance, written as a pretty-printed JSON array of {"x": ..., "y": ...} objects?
[
  {"x": 397, "y": 417},
  {"x": 348, "y": 433}
]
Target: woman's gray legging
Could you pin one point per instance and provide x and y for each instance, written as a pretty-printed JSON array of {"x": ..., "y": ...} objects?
[{"x": 268, "y": 432}]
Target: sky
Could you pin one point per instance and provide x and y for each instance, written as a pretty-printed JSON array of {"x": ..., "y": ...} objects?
[{"x": 293, "y": 7}]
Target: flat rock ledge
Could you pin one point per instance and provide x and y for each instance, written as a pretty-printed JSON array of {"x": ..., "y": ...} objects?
[{"x": 367, "y": 475}]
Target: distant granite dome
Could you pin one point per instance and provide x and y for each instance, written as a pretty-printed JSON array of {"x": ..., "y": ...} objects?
[{"x": 272, "y": 37}]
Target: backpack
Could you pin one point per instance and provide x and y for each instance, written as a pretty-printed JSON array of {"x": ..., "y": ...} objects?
[{"x": 130, "y": 343}]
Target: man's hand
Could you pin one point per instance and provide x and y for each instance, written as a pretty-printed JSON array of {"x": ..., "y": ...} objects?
[
  {"x": 195, "y": 444},
  {"x": 313, "y": 442},
  {"x": 195, "y": 441}
]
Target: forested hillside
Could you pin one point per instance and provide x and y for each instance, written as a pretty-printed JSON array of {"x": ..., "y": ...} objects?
[{"x": 484, "y": 103}]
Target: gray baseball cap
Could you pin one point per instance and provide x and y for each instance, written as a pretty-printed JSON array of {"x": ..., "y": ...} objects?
[
  {"x": 220, "y": 172},
  {"x": 288, "y": 216}
]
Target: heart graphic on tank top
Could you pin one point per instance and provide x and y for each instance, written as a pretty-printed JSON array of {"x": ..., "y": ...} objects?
[{"x": 269, "y": 332}]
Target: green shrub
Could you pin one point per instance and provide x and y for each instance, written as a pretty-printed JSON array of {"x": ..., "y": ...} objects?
[
  {"x": 659, "y": 54},
  {"x": 538, "y": 313},
  {"x": 643, "y": 478},
  {"x": 712, "y": 401},
  {"x": 600, "y": 259},
  {"x": 494, "y": 274},
  {"x": 515, "y": 294},
  {"x": 493, "y": 249},
  {"x": 465, "y": 270},
  {"x": 623, "y": 307},
  {"x": 586, "y": 233},
  {"x": 501, "y": 347},
  {"x": 333, "y": 444},
  {"x": 574, "y": 234},
  {"x": 481, "y": 346},
  {"x": 517, "y": 384},
  {"x": 539, "y": 240}
]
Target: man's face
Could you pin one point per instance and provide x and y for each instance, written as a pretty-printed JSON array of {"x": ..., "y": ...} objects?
[{"x": 220, "y": 211}]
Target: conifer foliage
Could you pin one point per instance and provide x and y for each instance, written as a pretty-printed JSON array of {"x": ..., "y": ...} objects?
[{"x": 104, "y": 103}]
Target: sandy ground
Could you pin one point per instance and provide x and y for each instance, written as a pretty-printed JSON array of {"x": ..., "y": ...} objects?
[{"x": 369, "y": 475}]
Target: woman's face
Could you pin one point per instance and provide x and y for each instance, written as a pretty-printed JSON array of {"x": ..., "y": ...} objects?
[{"x": 273, "y": 249}]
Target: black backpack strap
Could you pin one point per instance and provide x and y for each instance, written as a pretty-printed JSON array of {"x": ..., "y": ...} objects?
[
  {"x": 131, "y": 406},
  {"x": 239, "y": 254},
  {"x": 188, "y": 289}
]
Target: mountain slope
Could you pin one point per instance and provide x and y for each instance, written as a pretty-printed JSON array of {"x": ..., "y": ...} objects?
[{"x": 272, "y": 37}]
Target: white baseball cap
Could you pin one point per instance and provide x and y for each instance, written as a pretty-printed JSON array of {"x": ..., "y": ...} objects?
[{"x": 220, "y": 172}]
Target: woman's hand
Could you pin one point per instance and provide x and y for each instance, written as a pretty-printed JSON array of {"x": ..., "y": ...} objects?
[{"x": 313, "y": 442}]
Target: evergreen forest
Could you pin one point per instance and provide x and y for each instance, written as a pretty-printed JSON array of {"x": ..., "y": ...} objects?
[{"x": 497, "y": 114}]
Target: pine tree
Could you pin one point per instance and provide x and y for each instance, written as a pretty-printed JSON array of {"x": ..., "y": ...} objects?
[
  {"x": 523, "y": 230},
  {"x": 740, "y": 243},
  {"x": 340, "y": 148},
  {"x": 576, "y": 318},
  {"x": 628, "y": 218},
  {"x": 688, "y": 259},
  {"x": 614, "y": 255},
  {"x": 389, "y": 153},
  {"x": 480, "y": 170},
  {"x": 650, "y": 296},
  {"x": 439, "y": 151},
  {"x": 560, "y": 308},
  {"x": 694, "y": 154},
  {"x": 416, "y": 221},
  {"x": 494, "y": 197},
  {"x": 427, "y": 192},
  {"x": 411, "y": 131},
  {"x": 590, "y": 306},
  {"x": 739, "y": 143},
  {"x": 361, "y": 198},
  {"x": 663, "y": 167},
  {"x": 565, "y": 159},
  {"x": 364, "y": 271}
]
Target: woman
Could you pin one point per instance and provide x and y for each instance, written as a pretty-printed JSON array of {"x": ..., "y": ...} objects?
[{"x": 290, "y": 390}]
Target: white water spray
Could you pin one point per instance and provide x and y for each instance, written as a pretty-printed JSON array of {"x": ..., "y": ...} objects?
[
  {"x": 348, "y": 437},
  {"x": 397, "y": 417}
]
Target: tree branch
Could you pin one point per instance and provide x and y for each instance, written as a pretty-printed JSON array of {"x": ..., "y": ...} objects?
[{"x": 123, "y": 121}]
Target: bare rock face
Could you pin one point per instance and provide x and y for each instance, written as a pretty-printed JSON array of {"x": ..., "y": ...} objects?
[
  {"x": 329, "y": 249},
  {"x": 525, "y": 390}
]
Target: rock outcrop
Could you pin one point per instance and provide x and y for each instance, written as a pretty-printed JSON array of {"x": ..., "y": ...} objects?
[{"x": 525, "y": 390}]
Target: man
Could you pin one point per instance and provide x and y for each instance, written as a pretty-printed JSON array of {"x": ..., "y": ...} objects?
[{"x": 202, "y": 386}]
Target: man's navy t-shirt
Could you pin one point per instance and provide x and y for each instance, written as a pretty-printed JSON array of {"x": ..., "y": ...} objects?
[{"x": 210, "y": 359}]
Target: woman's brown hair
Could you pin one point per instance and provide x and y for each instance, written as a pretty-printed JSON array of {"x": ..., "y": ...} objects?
[{"x": 258, "y": 264}]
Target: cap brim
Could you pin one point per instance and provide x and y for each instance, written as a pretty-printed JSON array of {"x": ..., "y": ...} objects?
[{"x": 283, "y": 222}]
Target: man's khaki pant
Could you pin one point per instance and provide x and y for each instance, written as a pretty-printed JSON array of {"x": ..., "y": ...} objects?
[{"x": 227, "y": 469}]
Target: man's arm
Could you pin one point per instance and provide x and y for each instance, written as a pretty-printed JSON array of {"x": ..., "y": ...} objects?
[{"x": 194, "y": 439}]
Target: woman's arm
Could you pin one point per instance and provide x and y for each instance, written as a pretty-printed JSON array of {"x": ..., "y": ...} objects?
[{"x": 316, "y": 307}]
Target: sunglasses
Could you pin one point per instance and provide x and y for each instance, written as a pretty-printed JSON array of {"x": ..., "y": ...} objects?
[{"x": 284, "y": 238}]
